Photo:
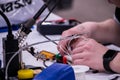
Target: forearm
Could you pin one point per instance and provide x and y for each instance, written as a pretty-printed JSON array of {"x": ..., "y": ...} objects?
[
  {"x": 115, "y": 63},
  {"x": 108, "y": 32},
  {"x": 115, "y": 30}
]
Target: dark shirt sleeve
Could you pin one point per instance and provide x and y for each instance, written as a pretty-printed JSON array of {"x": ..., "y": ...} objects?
[{"x": 117, "y": 14}]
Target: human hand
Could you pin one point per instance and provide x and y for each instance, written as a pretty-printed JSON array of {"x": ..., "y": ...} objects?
[
  {"x": 87, "y": 29},
  {"x": 88, "y": 52}
]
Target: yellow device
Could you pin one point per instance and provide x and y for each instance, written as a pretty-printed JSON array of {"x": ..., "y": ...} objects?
[
  {"x": 47, "y": 55},
  {"x": 25, "y": 74}
]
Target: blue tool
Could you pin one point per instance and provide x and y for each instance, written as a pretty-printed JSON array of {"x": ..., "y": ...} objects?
[{"x": 56, "y": 71}]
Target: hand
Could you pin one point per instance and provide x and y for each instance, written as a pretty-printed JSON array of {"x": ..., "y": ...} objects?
[
  {"x": 104, "y": 32},
  {"x": 87, "y": 29},
  {"x": 88, "y": 52}
]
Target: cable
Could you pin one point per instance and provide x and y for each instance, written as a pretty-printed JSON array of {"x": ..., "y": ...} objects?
[
  {"x": 10, "y": 35},
  {"x": 50, "y": 11},
  {"x": 25, "y": 28},
  {"x": 41, "y": 10},
  {"x": 44, "y": 63},
  {"x": 54, "y": 6},
  {"x": 9, "y": 50},
  {"x": 49, "y": 39}
]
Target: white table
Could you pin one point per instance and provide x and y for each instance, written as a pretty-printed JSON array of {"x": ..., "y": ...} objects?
[{"x": 34, "y": 37}]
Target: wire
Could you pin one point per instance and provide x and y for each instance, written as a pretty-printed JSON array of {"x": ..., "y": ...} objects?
[
  {"x": 41, "y": 10},
  {"x": 49, "y": 39},
  {"x": 50, "y": 11},
  {"x": 25, "y": 47},
  {"x": 25, "y": 28},
  {"x": 10, "y": 35},
  {"x": 44, "y": 63},
  {"x": 67, "y": 49}
]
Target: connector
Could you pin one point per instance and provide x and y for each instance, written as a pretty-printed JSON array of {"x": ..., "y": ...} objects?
[
  {"x": 24, "y": 30},
  {"x": 10, "y": 46}
]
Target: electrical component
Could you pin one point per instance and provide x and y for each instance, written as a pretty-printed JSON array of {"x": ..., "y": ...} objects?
[
  {"x": 25, "y": 74},
  {"x": 47, "y": 55},
  {"x": 44, "y": 55},
  {"x": 61, "y": 59},
  {"x": 9, "y": 49},
  {"x": 26, "y": 28},
  {"x": 55, "y": 27}
]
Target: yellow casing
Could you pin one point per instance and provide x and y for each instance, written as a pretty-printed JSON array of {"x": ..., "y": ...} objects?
[{"x": 25, "y": 74}]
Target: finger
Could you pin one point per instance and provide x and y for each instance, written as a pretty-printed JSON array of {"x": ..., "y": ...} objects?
[
  {"x": 62, "y": 45},
  {"x": 80, "y": 42},
  {"x": 78, "y": 50},
  {"x": 65, "y": 45},
  {"x": 77, "y": 56},
  {"x": 62, "y": 49},
  {"x": 63, "y": 42}
]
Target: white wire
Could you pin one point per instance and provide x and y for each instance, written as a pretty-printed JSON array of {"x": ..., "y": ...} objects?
[
  {"x": 24, "y": 47},
  {"x": 68, "y": 48}
]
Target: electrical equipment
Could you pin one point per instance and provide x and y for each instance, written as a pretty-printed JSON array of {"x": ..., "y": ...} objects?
[
  {"x": 9, "y": 48},
  {"x": 55, "y": 27},
  {"x": 47, "y": 55},
  {"x": 25, "y": 74}
]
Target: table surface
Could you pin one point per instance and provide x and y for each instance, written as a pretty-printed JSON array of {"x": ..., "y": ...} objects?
[{"x": 35, "y": 36}]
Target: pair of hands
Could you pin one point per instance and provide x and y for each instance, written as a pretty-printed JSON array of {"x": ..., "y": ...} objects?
[{"x": 85, "y": 50}]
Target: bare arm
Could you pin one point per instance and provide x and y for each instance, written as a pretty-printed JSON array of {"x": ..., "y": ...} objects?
[{"x": 108, "y": 32}]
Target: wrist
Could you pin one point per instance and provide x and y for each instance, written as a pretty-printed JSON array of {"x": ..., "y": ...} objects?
[{"x": 108, "y": 57}]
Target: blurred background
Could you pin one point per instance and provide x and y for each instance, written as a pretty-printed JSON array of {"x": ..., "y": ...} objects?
[{"x": 85, "y": 10}]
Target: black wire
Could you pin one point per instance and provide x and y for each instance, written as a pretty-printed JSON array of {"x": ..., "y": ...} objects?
[
  {"x": 10, "y": 35},
  {"x": 115, "y": 78},
  {"x": 50, "y": 11},
  {"x": 44, "y": 63},
  {"x": 49, "y": 39},
  {"x": 41, "y": 10}
]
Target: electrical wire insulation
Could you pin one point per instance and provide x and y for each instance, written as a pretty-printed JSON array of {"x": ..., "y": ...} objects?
[
  {"x": 50, "y": 11},
  {"x": 10, "y": 35}
]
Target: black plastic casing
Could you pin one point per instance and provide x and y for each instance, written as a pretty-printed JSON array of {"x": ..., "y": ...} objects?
[{"x": 9, "y": 49}]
